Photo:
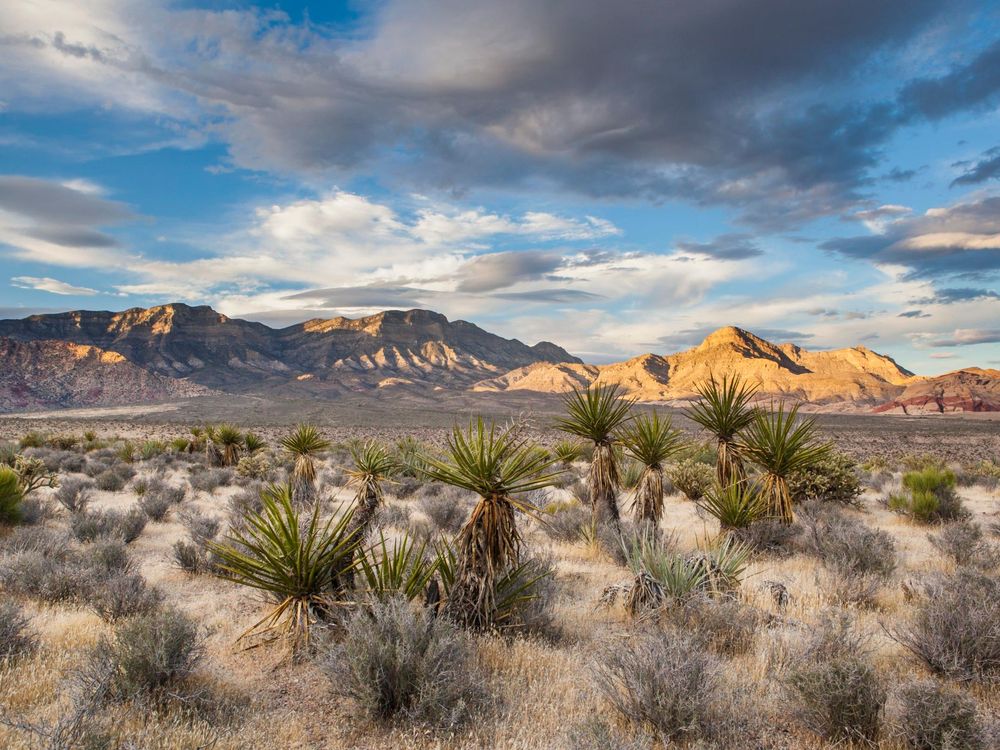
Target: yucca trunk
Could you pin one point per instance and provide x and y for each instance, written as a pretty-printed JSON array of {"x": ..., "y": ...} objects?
[
  {"x": 779, "y": 499},
  {"x": 304, "y": 480},
  {"x": 231, "y": 455},
  {"x": 488, "y": 545},
  {"x": 212, "y": 455},
  {"x": 729, "y": 467},
  {"x": 604, "y": 484},
  {"x": 649, "y": 496}
]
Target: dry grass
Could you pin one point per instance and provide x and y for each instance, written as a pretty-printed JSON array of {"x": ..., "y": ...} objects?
[{"x": 540, "y": 688}]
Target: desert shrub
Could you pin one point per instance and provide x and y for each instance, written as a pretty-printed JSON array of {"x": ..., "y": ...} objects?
[
  {"x": 566, "y": 522},
  {"x": 598, "y": 734},
  {"x": 109, "y": 481},
  {"x": 834, "y": 478},
  {"x": 848, "y": 545},
  {"x": 8, "y": 453},
  {"x": 725, "y": 626},
  {"x": 833, "y": 689},
  {"x": 201, "y": 528},
  {"x": 964, "y": 544},
  {"x": 210, "y": 480},
  {"x": 146, "y": 655},
  {"x": 47, "y": 577},
  {"x": 124, "y": 470},
  {"x": 108, "y": 524},
  {"x": 955, "y": 630},
  {"x": 29, "y": 539},
  {"x": 406, "y": 486},
  {"x": 151, "y": 449},
  {"x": 936, "y": 717},
  {"x": 395, "y": 662},
  {"x": 397, "y": 516},
  {"x": 15, "y": 632},
  {"x": 448, "y": 510},
  {"x": 123, "y": 595},
  {"x": 109, "y": 557},
  {"x": 256, "y": 466},
  {"x": 691, "y": 478},
  {"x": 36, "y": 510},
  {"x": 243, "y": 504},
  {"x": 664, "y": 683},
  {"x": 189, "y": 557},
  {"x": 74, "y": 494},
  {"x": 155, "y": 505},
  {"x": 929, "y": 496},
  {"x": 31, "y": 440},
  {"x": 71, "y": 463},
  {"x": 94, "y": 469},
  {"x": 769, "y": 536},
  {"x": 526, "y": 596},
  {"x": 921, "y": 461}
]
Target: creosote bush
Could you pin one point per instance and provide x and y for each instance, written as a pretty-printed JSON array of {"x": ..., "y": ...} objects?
[
  {"x": 400, "y": 663},
  {"x": 936, "y": 717},
  {"x": 109, "y": 481},
  {"x": 833, "y": 688},
  {"x": 929, "y": 496},
  {"x": 145, "y": 656},
  {"x": 963, "y": 543},
  {"x": 16, "y": 637},
  {"x": 955, "y": 630},
  {"x": 90, "y": 525},
  {"x": 74, "y": 494},
  {"x": 123, "y": 595},
  {"x": 691, "y": 478},
  {"x": 663, "y": 682},
  {"x": 835, "y": 478},
  {"x": 723, "y": 625}
]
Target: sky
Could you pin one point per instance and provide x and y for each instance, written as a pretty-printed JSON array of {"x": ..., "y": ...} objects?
[{"x": 618, "y": 178}]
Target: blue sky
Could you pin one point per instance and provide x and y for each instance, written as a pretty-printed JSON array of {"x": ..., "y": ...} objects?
[{"x": 615, "y": 179}]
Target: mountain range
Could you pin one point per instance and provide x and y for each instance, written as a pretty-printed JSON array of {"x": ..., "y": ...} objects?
[{"x": 168, "y": 352}]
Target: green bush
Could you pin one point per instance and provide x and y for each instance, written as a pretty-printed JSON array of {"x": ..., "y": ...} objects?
[
  {"x": 691, "y": 478},
  {"x": 831, "y": 479},
  {"x": 929, "y": 496}
]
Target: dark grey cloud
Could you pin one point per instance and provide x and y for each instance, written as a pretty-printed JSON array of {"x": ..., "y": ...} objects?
[
  {"x": 486, "y": 273},
  {"x": 50, "y": 202},
  {"x": 913, "y": 314},
  {"x": 72, "y": 236},
  {"x": 559, "y": 296},
  {"x": 724, "y": 247},
  {"x": 363, "y": 296},
  {"x": 957, "y": 241},
  {"x": 956, "y": 294},
  {"x": 969, "y": 337},
  {"x": 987, "y": 168},
  {"x": 900, "y": 175},
  {"x": 661, "y": 100}
]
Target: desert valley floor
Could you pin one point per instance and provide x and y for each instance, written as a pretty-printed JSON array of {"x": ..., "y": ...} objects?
[{"x": 861, "y": 566}]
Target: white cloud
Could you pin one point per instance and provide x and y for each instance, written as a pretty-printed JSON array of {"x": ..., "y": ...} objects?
[{"x": 45, "y": 284}]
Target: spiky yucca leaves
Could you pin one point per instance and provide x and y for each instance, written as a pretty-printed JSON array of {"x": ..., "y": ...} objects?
[
  {"x": 725, "y": 411},
  {"x": 11, "y": 495},
  {"x": 303, "y": 445},
  {"x": 568, "y": 451},
  {"x": 252, "y": 443},
  {"x": 302, "y": 562},
  {"x": 780, "y": 444},
  {"x": 650, "y": 441},
  {"x": 373, "y": 465},
  {"x": 500, "y": 466},
  {"x": 735, "y": 506},
  {"x": 230, "y": 442},
  {"x": 595, "y": 414},
  {"x": 400, "y": 568}
]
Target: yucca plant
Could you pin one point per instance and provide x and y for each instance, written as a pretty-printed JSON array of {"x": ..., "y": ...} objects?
[
  {"x": 213, "y": 456},
  {"x": 735, "y": 506},
  {"x": 126, "y": 452},
  {"x": 373, "y": 465},
  {"x": 400, "y": 568},
  {"x": 650, "y": 441},
  {"x": 501, "y": 467},
  {"x": 253, "y": 443},
  {"x": 781, "y": 444},
  {"x": 409, "y": 456},
  {"x": 303, "y": 445},
  {"x": 230, "y": 442},
  {"x": 568, "y": 451},
  {"x": 11, "y": 495},
  {"x": 595, "y": 414},
  {"x": 724, "y": 410},
  {"x": 302, "y": 562}
]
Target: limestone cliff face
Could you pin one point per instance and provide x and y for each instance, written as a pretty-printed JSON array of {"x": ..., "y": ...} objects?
[
  {"x": 970, "y": 390},
  {"x": 178, "y": 341},
  {"x": 849, "y": 377},
  {"x": 45, "y": 374}
]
